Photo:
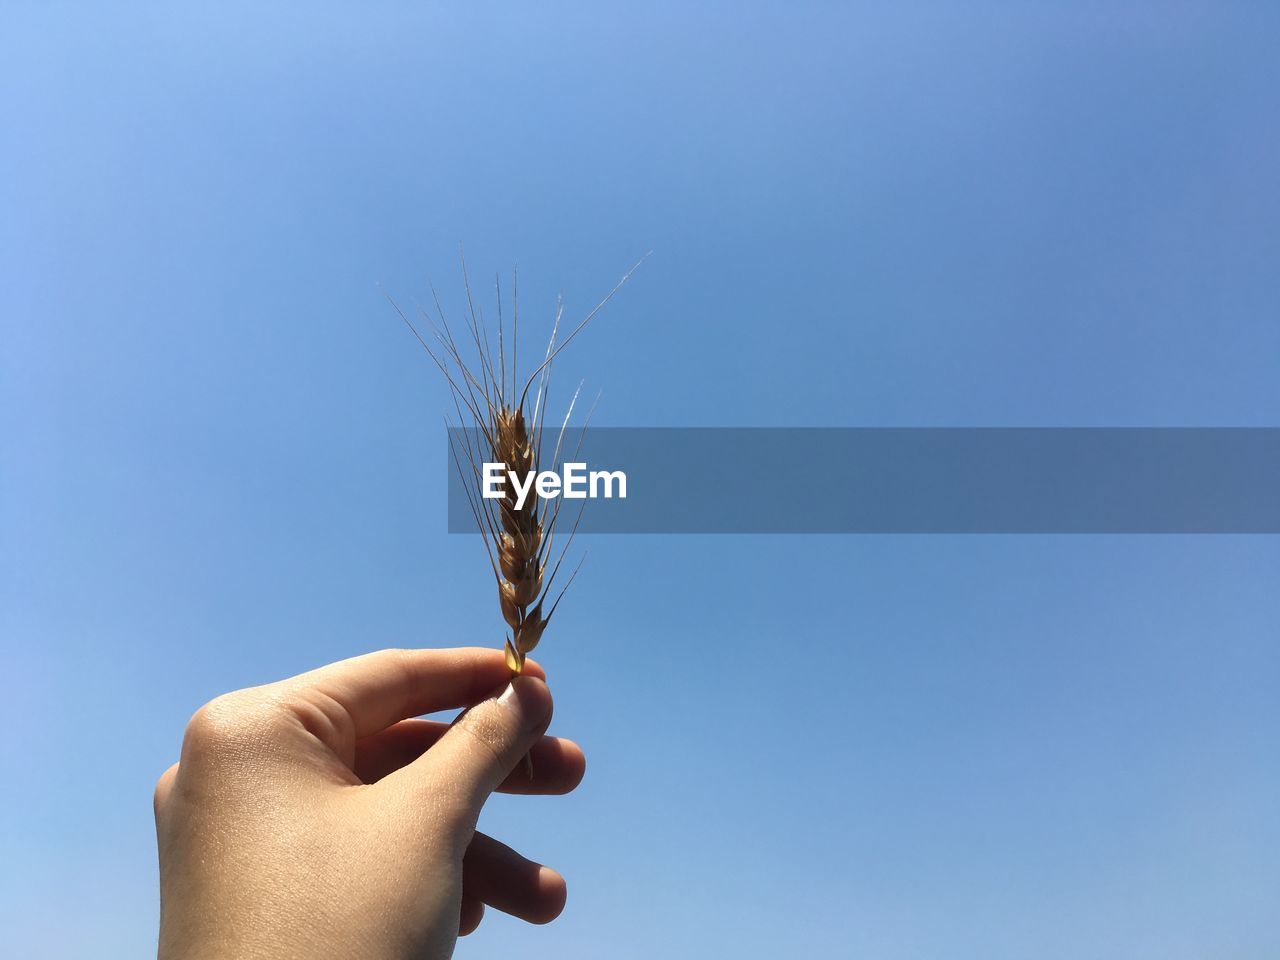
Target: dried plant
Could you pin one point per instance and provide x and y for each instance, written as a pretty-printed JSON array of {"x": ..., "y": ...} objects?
[{"x": 493, "y": 397}]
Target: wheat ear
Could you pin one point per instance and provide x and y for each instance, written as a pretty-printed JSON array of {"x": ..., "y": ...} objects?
[{"x": 487, "y": 393}]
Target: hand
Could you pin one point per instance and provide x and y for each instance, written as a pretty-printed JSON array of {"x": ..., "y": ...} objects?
[{"x": 313, "y": 818}]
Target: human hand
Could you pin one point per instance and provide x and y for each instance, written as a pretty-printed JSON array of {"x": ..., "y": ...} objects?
[{"x": 315, "y": 818}]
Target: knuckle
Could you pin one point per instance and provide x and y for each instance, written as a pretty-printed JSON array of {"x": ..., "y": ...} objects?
[
  {"x": 486, "y": 727},
  {"x": 324, "y": 718},
  {"x": 163, "y": 787},
  {"x": 229, "y": 718}
]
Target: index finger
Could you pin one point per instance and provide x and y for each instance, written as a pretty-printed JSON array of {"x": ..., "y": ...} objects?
[{"x": 379, "y": 689}]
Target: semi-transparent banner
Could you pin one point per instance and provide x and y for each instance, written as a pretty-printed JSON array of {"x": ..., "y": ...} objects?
[{"x": 892, "y": 480}]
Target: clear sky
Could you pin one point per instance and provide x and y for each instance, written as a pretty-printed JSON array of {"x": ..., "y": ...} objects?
[{"x": 222, "y": 461}]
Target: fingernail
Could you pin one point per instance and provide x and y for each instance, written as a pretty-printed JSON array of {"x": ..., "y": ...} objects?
[{"x": 530, "y": 699}]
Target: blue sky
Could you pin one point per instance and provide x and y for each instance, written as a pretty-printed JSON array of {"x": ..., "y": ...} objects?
[{"x": 223, "y": 457}]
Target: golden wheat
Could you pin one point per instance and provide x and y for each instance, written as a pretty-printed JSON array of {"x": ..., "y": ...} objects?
[{"x": 518, "y": 537}]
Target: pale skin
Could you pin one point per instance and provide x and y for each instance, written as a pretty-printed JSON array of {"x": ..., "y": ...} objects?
[{"x": 317, "y": 817}]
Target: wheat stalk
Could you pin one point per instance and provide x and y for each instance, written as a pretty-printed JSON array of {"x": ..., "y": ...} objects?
[{"x": 487, "y": 392}]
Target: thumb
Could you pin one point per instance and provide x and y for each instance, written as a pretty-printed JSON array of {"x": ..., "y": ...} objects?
[{"x": 487, "y": 741}]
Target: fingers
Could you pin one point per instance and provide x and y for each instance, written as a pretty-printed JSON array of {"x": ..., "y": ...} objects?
[
  {"x": 377, "y": 689},
  {"x": 478, "y": 752},
  {"x": 472, "y": 914},
  {"x": 494, "y": 873},
  {"x": 558, "y": 764}
]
